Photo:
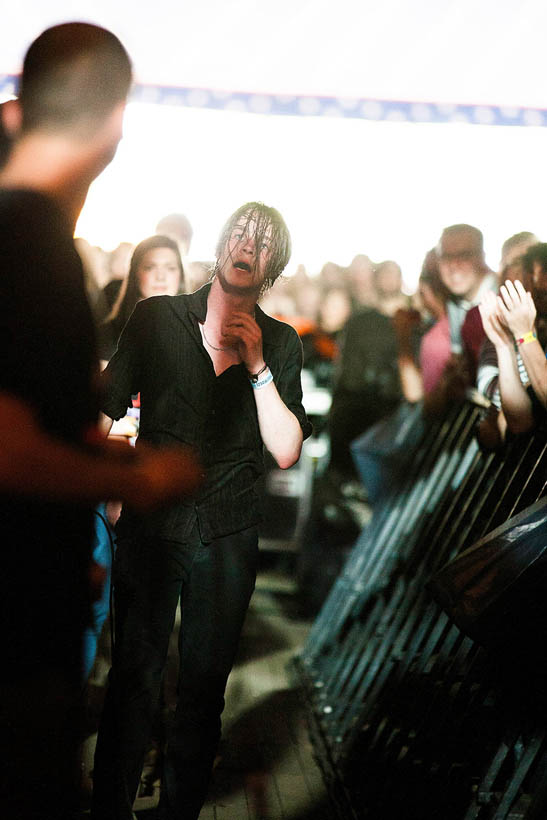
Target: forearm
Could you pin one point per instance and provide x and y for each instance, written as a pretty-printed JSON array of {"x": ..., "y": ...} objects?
[
  {"x": 34, "y": 464},
  {"x": 279, "y": 428},
  {"x": 536, "y": 367},
  {"x": 411, "y": 378},
  {"x": 515, "y": 402},
  {"x": 105, "y": 423}
]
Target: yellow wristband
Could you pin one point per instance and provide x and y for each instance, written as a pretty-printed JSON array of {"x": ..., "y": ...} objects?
[{"x": 528, "y": 337}]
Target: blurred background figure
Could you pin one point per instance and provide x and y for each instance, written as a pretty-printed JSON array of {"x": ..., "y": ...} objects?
[
  {"x": 361, "y": 281},
  {"x": 514, "y": 247},
  {"x": 332, "y": 275},
  {"x": 424, "y": 336},
  {"x": 155, "y": 270},
  {"x": 467, "y": 278},
  {"x": 5, "y": 139},
  {"x": 94, "y": 262},
  {"x": 388, "y": 284},
  {"x": 177, "y": 227},
  {"x": 117, "y": 269}
]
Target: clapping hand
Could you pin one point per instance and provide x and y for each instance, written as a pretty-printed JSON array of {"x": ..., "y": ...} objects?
[
  {"x": 517, "y": 308},
  {"x": 494, "y": 327}
]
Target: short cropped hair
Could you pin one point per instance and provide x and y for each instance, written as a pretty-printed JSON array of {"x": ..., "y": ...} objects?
[
  {"x": 266, "y": 219},
  {"x": 74, "y": 75},
  {"x": 524, "y": 238}
]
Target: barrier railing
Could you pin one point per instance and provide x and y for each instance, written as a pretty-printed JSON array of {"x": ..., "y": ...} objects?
[{"x": 409, "y": 717}]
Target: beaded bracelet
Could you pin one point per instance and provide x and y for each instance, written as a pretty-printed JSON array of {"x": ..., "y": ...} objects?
[
  {"x": 263, "y": 382},
  {"x": 528, "y": 337}
]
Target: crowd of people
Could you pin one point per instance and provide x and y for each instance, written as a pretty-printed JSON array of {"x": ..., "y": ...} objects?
[
  {"x": 199, "y": 348},
  {"x": 371, "y": 344}
]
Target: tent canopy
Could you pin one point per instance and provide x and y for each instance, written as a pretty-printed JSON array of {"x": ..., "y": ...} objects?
[
  {"x": 453, "y": 52},
  {"x": 376, "y": 174}
]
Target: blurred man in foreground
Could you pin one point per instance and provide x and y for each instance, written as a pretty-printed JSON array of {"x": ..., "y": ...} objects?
[{"x": 65, "y": 127}]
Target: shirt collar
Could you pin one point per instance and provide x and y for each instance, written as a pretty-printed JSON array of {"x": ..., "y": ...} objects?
[{"x": 198, "y": 308}]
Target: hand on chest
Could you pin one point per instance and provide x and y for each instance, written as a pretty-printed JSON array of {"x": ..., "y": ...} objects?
[{"x": 222, "y": 354}]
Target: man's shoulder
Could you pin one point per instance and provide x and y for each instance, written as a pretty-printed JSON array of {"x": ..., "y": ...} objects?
[
  {"x": 27, "y": 202},
  {"x": 163, "y": 311},
  {"x": 30, "y": 220},
  {"x": 275, "y": 331}
]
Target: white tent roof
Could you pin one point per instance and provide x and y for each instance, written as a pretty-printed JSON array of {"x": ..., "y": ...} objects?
[
  {"x": 344, "y": 183},
  {"x": 476, "y": 52}
]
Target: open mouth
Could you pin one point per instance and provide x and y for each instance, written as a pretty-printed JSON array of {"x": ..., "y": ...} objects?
[{"x": 243, "y": 266}]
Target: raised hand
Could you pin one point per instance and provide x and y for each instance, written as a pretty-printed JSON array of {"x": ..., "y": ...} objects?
[
  {"x": 242, "y": 330},
  {"x": 517, "y": 308},
  {"x": 494, "y": 327}
]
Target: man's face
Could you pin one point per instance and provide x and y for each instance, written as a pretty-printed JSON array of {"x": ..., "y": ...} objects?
[
  {"x": 460, "y": 264},
  {"x": 242, "y": 262}
]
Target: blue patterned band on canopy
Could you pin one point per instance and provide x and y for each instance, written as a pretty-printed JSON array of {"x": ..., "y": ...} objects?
[{"x": 318, "y": 106}]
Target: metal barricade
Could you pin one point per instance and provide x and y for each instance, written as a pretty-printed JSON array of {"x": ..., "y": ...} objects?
[{"x": 406, "y": 714}]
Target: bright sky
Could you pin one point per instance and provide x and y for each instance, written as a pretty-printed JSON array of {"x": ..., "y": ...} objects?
[{"x": 344, "y": 186}]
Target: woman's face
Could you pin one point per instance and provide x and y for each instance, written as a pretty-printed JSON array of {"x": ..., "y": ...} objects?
[{"x": 158, "y": 273}]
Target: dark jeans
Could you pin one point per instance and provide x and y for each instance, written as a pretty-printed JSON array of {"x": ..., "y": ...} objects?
[{"x": 214, "y": 582}]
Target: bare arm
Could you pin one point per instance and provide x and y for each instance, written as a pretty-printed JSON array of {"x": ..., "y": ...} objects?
[
  {"x": 279, "y": 428},
  {"x": 519, "y": 313},
  {"x": 105, "y": 424},
  {"x": 410, "y": 375},
  {"x": 35, "y": 464},
  {"x": 515, "y": 402}
]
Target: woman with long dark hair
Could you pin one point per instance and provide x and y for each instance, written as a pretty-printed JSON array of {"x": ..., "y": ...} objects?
[{"x": 155, "y": 270}]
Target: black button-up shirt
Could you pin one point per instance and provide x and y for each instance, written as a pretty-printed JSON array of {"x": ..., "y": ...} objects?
[{"x": 161, "y": 355}]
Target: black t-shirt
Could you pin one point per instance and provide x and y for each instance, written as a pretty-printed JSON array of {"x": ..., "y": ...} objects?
[
  {"x": 48, "y": 360},
  {"x": 161, "y": 355}
]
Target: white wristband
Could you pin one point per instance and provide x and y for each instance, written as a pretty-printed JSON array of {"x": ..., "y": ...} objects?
[{"x": 266, "y": 379}]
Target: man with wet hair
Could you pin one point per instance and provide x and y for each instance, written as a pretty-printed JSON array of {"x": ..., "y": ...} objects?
[
  {"x": 216, "y": 372},
  {"x": 54, "y": 466}
]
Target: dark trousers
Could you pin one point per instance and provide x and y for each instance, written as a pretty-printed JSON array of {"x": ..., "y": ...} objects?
[{"x": 214, "y": 582}]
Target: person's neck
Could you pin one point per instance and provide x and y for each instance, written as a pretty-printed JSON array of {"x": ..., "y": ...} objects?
[
  {"x": 52, "y": 166},
  {"x": 221, "y": 304},
  {"x": 472, "y": 293}
]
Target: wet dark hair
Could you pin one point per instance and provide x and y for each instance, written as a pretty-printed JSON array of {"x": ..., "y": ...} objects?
[
  {"x": 279, "y": 240},
  {"x": 129, "y": 293},
  {"x": 74, "y": 74}
]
